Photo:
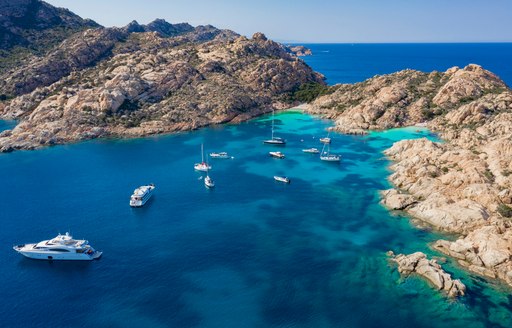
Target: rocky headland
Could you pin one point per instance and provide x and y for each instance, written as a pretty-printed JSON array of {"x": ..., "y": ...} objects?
[
  {"x": 461, "y": 186},
  {"x": 418, "y": 263},
  {"x": 145, "y": 79}
]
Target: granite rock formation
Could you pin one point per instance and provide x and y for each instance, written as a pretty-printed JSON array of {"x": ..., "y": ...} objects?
[
  {"x": 418, "y": 263},
  {"x": 462, "y": 185}
]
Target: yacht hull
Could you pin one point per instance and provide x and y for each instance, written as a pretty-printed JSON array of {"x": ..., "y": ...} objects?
[
  {"x": 274, "y": 142},
  {"x": 54, "y": 256}
]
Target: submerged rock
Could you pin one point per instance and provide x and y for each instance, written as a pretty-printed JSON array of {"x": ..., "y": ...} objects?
[{"x": 419, "y": 264}]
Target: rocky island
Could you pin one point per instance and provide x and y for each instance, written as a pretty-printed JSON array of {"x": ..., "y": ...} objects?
[
  {"x": 462, "y": 186},
  {"x": 140, "y": 80}
]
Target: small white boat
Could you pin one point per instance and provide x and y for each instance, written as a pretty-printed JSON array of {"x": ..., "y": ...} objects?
[
  {"x": 62, "y": 247},
  {"x": 330, "y": 158},
  {"x": 221, "y": 155},
  {"x": 203, "y": 166},
  {"x": 208, "y": 182},
  {"x": 281, "y": 179},
  {"x": 327, "y": 156},
  {"x": 311, "y": 151},
  {"x": 274, "y": 140},
  {"x": 326, "y": 140},
  {"x": 141, "y": 195},
  {"x": 276, "y": 154}
]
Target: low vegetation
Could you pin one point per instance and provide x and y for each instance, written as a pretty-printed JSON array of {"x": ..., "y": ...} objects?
[{"x": 310, "y": 91}]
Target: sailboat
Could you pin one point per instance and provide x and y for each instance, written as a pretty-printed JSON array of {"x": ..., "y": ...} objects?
[
  {"x": 202, "y": 166},
  {"x": 326, "y": 140},
  {"x": 327, "y": 156},
  {"x": 274, "y": 140},
  {"x": 208, "y": 182}
]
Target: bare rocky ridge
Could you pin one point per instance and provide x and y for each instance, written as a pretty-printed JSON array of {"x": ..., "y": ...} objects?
[
  {"x": 463, "y": 185},
  {"x": 31, "y": 27},
  {"x": 109, "y": 82},
  {"x": 418, "y": 263}
]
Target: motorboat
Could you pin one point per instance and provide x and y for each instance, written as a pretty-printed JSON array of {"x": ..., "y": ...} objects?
[
  {"x": 141, "y": 195},
  {"x": 203, "y": 166},
  {"x": 274, "y": 140},
  {"x": 208, "y": 182},
  {"x": 311, "y": 151},
  {"x": 221, "y": 155},
  {"x": 62, "y": 247},
  {"x": 276, "y": 154},
  {"x": 281, "y": 179}
]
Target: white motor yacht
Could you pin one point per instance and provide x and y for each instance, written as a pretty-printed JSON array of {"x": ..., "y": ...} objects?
[
  {"x": 208, "y": 182},
  {"x": 311, "y": 151},
  {"x": 141, "y": 195},
  {"x": 276, "y": 154},
  {"x": 221, "y": 155},
  {"x": 281, "y": 179},
  {"x": 62, "y": 247}
]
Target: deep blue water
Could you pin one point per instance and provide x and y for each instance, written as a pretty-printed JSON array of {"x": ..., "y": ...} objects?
[
  {"x": 349, "y": 63},
  {"x": 250, "y": 253}
]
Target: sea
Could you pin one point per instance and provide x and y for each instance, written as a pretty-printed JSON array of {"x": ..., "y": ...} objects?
[{"x": 252, "y": 252}]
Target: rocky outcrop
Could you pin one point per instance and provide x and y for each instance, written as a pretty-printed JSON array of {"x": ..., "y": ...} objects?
[
  {"x": 395, "y": 200},
  {"x": 404, "y": 98},
  {"x": 142, "y": 83},
  {"x": 300, "y": 51},
  {"x": 462, "y": 185},
  {"x": 418, "y": 263}
]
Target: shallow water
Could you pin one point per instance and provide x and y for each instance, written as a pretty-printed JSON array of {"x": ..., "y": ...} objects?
[
  {"x": 7, "y": 125},
  {"x": 250, "y": 253}
]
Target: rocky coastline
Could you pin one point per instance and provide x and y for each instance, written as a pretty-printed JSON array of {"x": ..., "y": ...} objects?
[
  {"x": 92, "y": 81},
  {"x": 418, "y": 263},
  {"x": 462, "y": 186},
  {"x": 111, "y": 83}
]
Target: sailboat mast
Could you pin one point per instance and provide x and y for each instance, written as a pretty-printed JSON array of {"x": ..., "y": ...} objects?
[
  {"x": 202, "y": 153},
  {"x": 272, "y": 124}
]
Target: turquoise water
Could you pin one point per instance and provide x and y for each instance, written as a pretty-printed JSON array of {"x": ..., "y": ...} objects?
[{"x": 250, "y": 253}]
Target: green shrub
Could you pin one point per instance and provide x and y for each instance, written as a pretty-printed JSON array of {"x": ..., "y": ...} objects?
[
  {"x": 488, "y": 175},
  {"x": 505, "y": 211},
  {"x": 309, "y": 91}
]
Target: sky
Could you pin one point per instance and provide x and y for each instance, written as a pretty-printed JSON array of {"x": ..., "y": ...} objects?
[{"x": 320, "y": 21}]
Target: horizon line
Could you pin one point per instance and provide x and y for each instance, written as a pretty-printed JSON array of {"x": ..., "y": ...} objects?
[{"x": 396, "y": 42}]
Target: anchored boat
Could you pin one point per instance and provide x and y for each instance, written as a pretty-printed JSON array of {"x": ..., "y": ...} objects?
[
  {"x": 203, "y": 166},
  {"x": 281, "y": 179},
  {"x": 274, "y": 140},
  {"x": 62, "y": 247},
  {"x": 311, "y": 151},
  {"x": 141, "y": 195},
  {"x": 276, "y": 154}
]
